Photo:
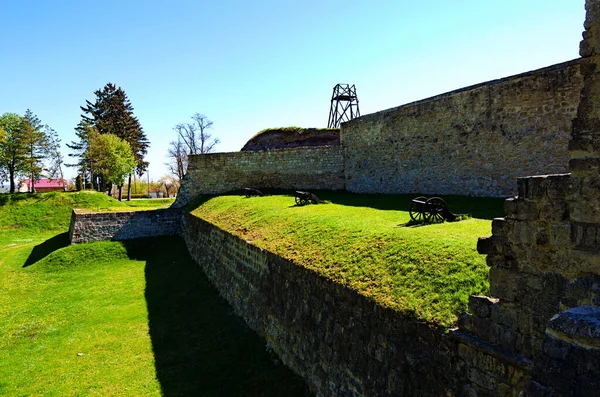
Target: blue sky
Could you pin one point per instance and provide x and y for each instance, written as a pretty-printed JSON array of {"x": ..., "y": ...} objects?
[{"x": 249, "y": 65}]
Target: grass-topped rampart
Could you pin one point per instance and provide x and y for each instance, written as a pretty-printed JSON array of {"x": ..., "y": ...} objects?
[
  {"x": 291, "y": 137},
  {"x": 367, "y": 243}
]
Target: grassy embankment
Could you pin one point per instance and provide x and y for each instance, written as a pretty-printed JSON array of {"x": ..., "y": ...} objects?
[
  {"x": 367, "y": 243},
  {"x": 115, "y": 319}
]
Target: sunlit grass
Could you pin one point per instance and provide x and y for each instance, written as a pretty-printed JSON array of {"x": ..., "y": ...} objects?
[
  {"x": 426, "y": 271},
  {"x": 137, "y": 318}
]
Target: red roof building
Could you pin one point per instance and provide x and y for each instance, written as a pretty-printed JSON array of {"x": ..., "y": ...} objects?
[{"x": 43, "y": 185}]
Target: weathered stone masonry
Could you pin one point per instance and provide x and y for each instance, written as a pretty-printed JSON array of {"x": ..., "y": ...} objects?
[
  {"x": 95, "y": 226},
  {"x": 544, "y": 257},
  {"x": 339, "y": 341},
  {"x": 297, "y": 168},
  {"x": 473, "y": 141}
]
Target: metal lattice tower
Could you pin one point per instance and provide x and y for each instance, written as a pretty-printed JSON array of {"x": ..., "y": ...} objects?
[{"x": 344, "y": 105}]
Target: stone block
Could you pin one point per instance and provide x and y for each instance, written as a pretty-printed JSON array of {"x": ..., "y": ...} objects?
[
  {"x": 492, "y": 245},
  {"x": 560, "y": 235},
  {"x": 501, "y": 227},
  {"x": 532, "y": 187},
  {"x": 579, "y": 166},
  {"x": 581, "y": 325},
  {"x": 480, "y": 306},
  {"x": 521, "y": 209},
  {"x": 506, "y": 314},
  {"x": 585, "y": 211},
  {"x": 505, "y": 284},
  {"x": 554, "y": 211},
  {"x": 562, "y": 186}
]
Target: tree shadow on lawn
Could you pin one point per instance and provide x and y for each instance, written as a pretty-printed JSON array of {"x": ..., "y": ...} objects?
[
  {"x": 201, "y": 348},
  {"x": 44, "y": 249}
]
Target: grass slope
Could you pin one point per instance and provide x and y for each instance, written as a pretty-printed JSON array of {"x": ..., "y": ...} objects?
[
  {"x": 116, "y": 319},
  {"x": 365, "y": 242}
]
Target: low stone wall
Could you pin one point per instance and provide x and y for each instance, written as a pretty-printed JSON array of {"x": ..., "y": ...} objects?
[
  {"x": 473, "y": 141},
  {"x": 297, "y": 168},
  {"x": 95, "y": 226},
  {"x": 341, "y": 342}
]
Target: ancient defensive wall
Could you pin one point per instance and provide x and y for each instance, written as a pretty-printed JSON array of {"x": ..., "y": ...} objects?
[
  {"x": 295, "y": 168},
  {"x": 474, "y": 141}
]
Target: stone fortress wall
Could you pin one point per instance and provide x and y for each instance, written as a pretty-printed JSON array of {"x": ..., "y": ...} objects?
[
  {"x": 89, "y": 226},
  {"x": 306, "y": 168},
  {"x": 473, "y": 141}
]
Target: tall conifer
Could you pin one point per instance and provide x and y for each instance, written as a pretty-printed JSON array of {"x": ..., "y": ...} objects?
[
  {"x": 112, "y": 113},
  {"x": 35, "y": 147}
]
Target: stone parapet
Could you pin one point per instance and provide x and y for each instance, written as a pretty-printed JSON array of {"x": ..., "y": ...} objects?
[
  {"x": 96, "y": 226},
  {"x": 308, "y": 168}
]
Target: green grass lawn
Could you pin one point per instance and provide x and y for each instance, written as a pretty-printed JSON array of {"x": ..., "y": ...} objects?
[
  {"x": 367, "y": 243},
  {"x": 116, "y": 319}
]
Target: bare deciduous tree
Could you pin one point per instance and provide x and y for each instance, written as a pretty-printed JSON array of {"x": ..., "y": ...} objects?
[
  {"x": 196, "y": 135},
  {"x": 178, "y": 159}
]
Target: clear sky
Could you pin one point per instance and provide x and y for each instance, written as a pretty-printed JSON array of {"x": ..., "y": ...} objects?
[{"x": 250, "y": 65}]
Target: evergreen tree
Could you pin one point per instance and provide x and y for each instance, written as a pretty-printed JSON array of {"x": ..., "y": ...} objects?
[
  {"x": 36, "y": 147},
  {"x": 112, "y": 113},
  {"x": 12, "y": 148},
  {"x": 55, "y": 170},
  {"x": 79, "y": 183},
  {"x": 85, "y": 163}
]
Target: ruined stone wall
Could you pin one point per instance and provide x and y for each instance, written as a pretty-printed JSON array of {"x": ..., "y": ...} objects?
[
  {"x": 544, "y": 258},
  {"x": 297, "y": 168},
  {"x": 95, "y": 226},
  {"x": 473, "y": 141}
]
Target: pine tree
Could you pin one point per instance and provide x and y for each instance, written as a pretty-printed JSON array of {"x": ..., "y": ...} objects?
[
  {"x": 36, "y": 147},
  {"x": 11, "y": 148},
  {"x": 85, "y": 164},
  {"x": 55, "y": 170},
  {"x": 112, "y": 113}
]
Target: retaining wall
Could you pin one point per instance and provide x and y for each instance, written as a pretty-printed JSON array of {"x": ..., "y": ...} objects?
[
  {"x": 341, "y": 342},
  {"x": 297, "y": 168},
  {"x": 95, "y": 226},
  {"x": 473, "y": 141}
]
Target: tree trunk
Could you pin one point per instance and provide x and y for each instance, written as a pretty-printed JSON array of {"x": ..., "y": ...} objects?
[
  {"x": 11, "y": 172},
  {"x": 120, "y": 192},
  {"x": 129, "y": 189},
  {"x": 62, "y": 177}
]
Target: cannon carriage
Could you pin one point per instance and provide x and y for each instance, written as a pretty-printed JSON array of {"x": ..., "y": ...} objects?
[{"x": 430, "y": 210}]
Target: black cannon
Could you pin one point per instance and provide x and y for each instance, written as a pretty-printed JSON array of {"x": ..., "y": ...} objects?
[
  {"x": 303, "y": 198},
  {"x": 250, "y": 192},
  {"x": 430, "y": 210}
]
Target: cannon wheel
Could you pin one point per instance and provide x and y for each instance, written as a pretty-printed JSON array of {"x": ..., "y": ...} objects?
[
  {"x": 299, "y": 200},
  {"x": 415, "y": 209},
  {"x": 434, "y": 210},
  {"x": 248, "y": 195}
]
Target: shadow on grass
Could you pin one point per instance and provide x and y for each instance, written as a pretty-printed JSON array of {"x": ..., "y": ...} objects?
[
  {"x": 476, "y": 207},
  {"x": 6, "y": 198},
  {"x": 200, "y": 347},
  {"x": 44, "y": 249}
]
